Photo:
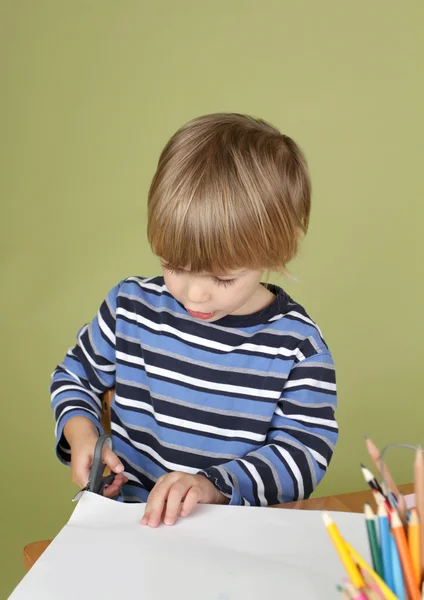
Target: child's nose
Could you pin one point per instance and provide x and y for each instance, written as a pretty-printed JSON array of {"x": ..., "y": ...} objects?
[{"x": 197, "y": 293}]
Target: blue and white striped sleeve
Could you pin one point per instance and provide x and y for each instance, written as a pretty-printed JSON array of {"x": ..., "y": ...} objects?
[
  {"x": 299, "y": 445},
  {"x": 87, "y": 371}
]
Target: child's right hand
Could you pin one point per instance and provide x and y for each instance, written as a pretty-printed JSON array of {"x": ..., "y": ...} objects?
[{"x": 82, "y": 436}]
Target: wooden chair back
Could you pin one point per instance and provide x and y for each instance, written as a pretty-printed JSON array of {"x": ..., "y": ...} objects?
[{"x": 106, "y": 402}]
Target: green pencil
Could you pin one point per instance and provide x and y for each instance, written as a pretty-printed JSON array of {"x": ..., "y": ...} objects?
[{"x": 372, "y": 538}]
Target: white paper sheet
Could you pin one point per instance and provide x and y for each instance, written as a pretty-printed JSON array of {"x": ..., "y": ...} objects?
[{"x": 218, "y": 553}]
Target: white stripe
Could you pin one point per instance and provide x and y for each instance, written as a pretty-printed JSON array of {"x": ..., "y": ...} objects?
[
  {"x": 261, "y": 489},
  {"x": 298, "y": 315},
  {"x": 97, "y": 367},
  {"x": 318, "y": 457},
  {"x": 207, "y": 342},
  {"x": 68, "y": 408},
  {"x": 230, "y": 433},
  {"x": 65, "y": 388},
  {"x": 147, "y": 285},
  {"x": 294, "y": 468},
  {"x": 209, "y": 385},
  {"x": 322, "y": 385},
  {"x": 106, "y": 329},
  {"x": 275, "y": 476},
  {"x": 70, "y": 373},
  {"x": 276, "y": 318},
  {"x": 306, "y": 419},
  {"x": 147, "y": 450}
]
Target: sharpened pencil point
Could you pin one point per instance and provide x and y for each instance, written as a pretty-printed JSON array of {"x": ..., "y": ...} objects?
[{"x": 327, "y": 519}]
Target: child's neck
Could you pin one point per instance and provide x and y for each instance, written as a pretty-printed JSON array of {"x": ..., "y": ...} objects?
[{"x": 260, "y": 300}]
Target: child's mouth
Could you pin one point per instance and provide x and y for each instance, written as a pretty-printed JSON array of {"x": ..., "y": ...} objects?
[{"x": 200, "y": 315}]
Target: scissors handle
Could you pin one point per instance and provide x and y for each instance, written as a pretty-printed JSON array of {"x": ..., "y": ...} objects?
[{"x": 97, "y": 482}]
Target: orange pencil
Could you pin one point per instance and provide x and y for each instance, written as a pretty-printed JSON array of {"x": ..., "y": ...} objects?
[
  {"x": 374, "y": 453},
  {"x": 401, "y": 508},
  {"x": 414, "y": 541},
  {"x": 405, "y": 558},
  {"x": 419, "y": 491}
]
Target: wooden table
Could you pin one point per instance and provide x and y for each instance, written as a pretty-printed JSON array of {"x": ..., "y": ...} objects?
[{"x": 353, "y": 502}]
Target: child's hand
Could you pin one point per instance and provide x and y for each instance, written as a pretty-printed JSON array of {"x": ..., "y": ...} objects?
[
  {"x": 174, "y": 489},
  {"x": 82, "y": 437}
]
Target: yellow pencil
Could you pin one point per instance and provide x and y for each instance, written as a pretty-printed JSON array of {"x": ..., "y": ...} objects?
[
  {"x": 414, "y": 541},
  {"x": 388, "y": 594},
  {"x": 347, "y": 560}
]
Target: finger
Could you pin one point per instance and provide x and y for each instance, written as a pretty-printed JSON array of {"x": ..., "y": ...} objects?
[
  {"x": 156, "y": 501},
  {"x": 114, "y": 488},
  {"x": 155, "y": 505},
  {"x": 191, "y": 500},
  {"x": 177, "y": 492},
  {"x": 112, "y": 461}
]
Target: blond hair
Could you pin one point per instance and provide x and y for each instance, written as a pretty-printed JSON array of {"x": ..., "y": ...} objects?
[{"x": 230, "y": 191}]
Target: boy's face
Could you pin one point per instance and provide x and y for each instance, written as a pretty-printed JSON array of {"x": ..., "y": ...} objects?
[{"x": 210, "y": 297}]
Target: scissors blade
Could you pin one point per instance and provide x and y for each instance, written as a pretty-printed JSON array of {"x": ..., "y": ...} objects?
[{"x": 79, "y": 494}]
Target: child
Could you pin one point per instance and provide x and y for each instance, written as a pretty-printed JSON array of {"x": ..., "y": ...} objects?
[{"x": 224, "y": 387}]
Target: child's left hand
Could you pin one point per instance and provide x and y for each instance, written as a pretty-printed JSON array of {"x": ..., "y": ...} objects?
[{"x": 174, "y": 489}]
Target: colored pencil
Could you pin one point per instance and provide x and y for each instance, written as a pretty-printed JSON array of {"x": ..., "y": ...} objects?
[
  {"x": 343, "y": 593},
  {"x": 414, "y": 541},
  {"x": 388, "y": 594},
  {"x": 386, "y": 552},
  {"x": 347, "y": 560},
  {"x": 372, "y": 585},
  {"x": 405, "y": 557},
  {"x": 379, "y": 498},
  {"x": 370, "y": 521},
  {"x": 419, "y": 491},
  {"x": 371, "y": 480},
  {"x": 398, "y": 584},
  {"x": 372, "y": 595},
  {"x": 374, "y": 454},
  {"x": 401, "y": 509},
  {"x": 353, "y": 591}
]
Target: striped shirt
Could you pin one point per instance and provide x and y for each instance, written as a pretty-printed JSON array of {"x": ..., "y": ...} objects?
[{"x": 248, "y": 401}]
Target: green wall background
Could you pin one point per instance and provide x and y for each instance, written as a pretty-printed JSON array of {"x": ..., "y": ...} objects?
[{"x": 92, "y": 90}]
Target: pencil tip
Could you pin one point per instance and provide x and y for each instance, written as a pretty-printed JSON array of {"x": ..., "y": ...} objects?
[
  {"x": 366, "y": 437},
  {"x": 327, "y": 519}
]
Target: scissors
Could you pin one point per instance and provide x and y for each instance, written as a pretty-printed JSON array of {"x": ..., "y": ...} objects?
[{"x": 96, "y": 482}]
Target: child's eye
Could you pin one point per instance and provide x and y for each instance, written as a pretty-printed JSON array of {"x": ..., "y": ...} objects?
[{"x": 223, "y": 282}]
